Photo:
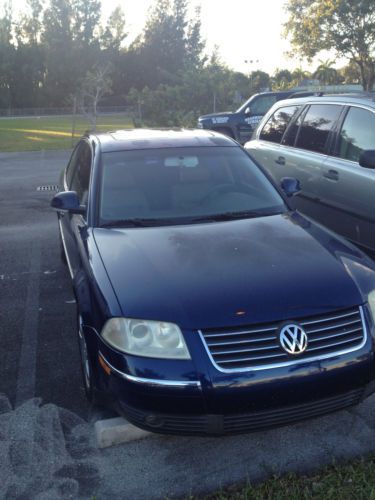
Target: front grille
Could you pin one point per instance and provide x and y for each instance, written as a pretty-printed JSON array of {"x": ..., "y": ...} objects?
[
  {"x": 258, "y": 346},
  {"x": 241, "y": 422}
]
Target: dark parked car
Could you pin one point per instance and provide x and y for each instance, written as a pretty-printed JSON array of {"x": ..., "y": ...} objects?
[
  {"x": 206, "y": 305},
  {"x": 328, "y": 143},
  {"x": 240, "y": 124}
]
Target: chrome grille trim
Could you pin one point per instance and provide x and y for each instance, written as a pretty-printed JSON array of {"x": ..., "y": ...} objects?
[
  {"x": 235, "y": 342},
  {"x": 330, "y": 319},
  {"x": 289, "y": 361},
  {"x": 244, "y": 350},
  {"x": 332, "y": 327},
  {"x": 335, "y": 335},
  {"x": 244, "y": 332}
]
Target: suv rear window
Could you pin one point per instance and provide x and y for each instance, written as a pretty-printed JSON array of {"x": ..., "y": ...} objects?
[
  {"x": 316, "y": 126},
  {"x": 275, "y": 127},
  {"x": 357, "y": 134}
]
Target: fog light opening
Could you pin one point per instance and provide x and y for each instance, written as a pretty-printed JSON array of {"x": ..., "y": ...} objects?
[{"x": 154, "y": 421}]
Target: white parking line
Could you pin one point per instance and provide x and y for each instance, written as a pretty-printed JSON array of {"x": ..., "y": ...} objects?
[{"x": 27, "y": 363}]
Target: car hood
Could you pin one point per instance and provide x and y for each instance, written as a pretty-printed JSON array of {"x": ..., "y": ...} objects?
[{"x": 235, "y": 272}]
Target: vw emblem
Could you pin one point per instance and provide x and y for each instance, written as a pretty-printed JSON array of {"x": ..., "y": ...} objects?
[{"x": 293, "y": 339}]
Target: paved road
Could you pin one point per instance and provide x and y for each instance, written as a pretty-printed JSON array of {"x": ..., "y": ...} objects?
[
  {"x": 39, "y": 350},
  {"x": 39, "y": 357}
]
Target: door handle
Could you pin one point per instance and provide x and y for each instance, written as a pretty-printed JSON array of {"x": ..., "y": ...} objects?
[
  {"x": 280, "y": 160},
  {"x": 332, "y": 175}
]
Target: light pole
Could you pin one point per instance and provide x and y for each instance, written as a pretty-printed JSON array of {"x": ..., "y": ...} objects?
[{"x": 251, "y": 62}]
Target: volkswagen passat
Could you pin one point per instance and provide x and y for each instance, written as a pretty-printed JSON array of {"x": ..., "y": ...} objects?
[{"x": 205, "y": 304}]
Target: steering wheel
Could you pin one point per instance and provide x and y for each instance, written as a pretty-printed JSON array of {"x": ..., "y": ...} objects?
[{"x": 222, "y": 189}]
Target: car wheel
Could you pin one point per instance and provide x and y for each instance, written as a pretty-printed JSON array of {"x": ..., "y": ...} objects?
[{"x": 85, "y": 365}]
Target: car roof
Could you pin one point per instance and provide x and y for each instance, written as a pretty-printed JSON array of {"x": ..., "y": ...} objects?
[
  {"x": 366, "y": 98},
  {"x": 132, "y": 139}
]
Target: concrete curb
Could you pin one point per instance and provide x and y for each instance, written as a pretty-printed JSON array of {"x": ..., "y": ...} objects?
[{"x": 113, "y": 431}]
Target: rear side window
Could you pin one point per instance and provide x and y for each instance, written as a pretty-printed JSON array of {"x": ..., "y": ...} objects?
[
  {"x": 275, "y": 127},
  {"x": 317, "y": 124},
  {"x": 357, "y": 134}
]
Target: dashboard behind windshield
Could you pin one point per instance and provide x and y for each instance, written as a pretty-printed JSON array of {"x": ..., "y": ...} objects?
[{"x": 181, "y": 184}]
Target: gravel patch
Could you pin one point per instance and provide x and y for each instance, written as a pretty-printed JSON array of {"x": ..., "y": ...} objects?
[
  {"x": 45, "y": 453},
  {"x": 49, "y": 453}
]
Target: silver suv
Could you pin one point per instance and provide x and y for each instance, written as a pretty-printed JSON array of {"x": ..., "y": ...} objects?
[{"x": 328, "y": 143}]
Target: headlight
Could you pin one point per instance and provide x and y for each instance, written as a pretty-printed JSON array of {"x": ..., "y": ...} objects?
[
  {"x": 371, "y": 303},
  {"x": 153, "y": 339},
  {"x": 200, "y": 125}
]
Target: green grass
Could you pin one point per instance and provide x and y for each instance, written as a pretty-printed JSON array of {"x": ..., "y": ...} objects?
[
  {"x": 351, "y": 481},
  {"x": 32, "y": 134}
]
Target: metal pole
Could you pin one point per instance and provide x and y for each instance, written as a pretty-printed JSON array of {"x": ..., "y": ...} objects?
[{"x": 74, "y": 119}]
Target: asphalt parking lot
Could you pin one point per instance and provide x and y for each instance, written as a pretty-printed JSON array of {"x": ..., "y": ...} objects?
[
  {"x": 36, "y": 304},
  {"x": 47, "y": 448}
]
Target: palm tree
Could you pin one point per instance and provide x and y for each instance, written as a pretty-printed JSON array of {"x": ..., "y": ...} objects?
[
  {"x": 326, "y": 74},
  {"x": 299, "y": 75}
]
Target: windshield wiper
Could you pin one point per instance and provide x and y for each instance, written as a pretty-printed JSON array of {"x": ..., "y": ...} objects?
[
  {"x": 131, "y": 223},
  {"x": 232, "y": 216}
]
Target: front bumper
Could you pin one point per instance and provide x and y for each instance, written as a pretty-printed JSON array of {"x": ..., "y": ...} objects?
[
  {"x": 241, "y": 423},
  {"x": 195, "y": 398}
]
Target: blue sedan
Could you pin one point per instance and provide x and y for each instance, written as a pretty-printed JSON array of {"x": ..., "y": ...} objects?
[{"x": 205, "y": 304}]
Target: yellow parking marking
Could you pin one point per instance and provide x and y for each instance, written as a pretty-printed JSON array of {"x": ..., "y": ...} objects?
[{"x": 45, "y": 132}]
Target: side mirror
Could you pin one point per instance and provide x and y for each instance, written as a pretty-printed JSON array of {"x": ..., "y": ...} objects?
[
  {"x": 367, "y": 158},
  {"x": 290, "y": 186},
  {"x": 67, "y": 201},
  {"x": 248, "y": 111}
]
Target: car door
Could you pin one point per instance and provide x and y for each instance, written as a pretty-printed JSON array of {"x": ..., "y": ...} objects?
[
  {"x": 301, "y": 152},
  {"x": 304, "y": 150},
  {"x": 77, "y": 178},
  {"x": 347, "y": 188},
  {"x": 266, "y": 149}
]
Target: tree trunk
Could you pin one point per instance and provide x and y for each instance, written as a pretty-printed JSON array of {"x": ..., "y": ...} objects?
[
  {"x": 367, "y": 71},
  {"x": 370, "y": 76}
]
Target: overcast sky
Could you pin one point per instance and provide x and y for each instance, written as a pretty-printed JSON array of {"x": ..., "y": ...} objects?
[{"x": 244, "y": 30}]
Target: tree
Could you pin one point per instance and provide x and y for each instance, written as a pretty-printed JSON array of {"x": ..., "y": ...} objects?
[
  {"x": 114, "y": 32},
  {"x": 72, "y": 46},
  {"x": 169, "y": 45},
  {"x": 194, "y": 42},
  {"x": 57, "y": 38},
  {"x": 299, "y": 75},
  {"x": 326, "y": 74},
  {"x": 350, "y": 73},
  {"x": 7, "y": 52},
  {"x": 282, "y": 79},
  {"x": 29, "y": 57},
  {"x": 259, "y": 81},
  {"x": 85, "y": 21},
  {"x": 30, "y": 25},
  {"x": 345, "y": 26},
  {"x": 94, "y": 86}
]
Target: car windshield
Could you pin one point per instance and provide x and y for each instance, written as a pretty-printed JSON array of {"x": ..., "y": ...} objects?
[{"x": 183, "y": 185}]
